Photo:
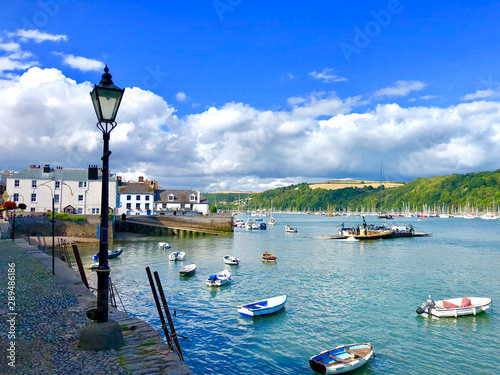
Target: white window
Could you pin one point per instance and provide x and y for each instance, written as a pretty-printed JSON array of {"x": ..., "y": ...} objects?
[
  {"x": 82, "y": 184},
  {"x": 95, "y": 211},
  {"x": 192, "y": 197},
  {"x": 137, "y": 197},
  {"x": 129, "y": 197},
  {"x": 16, "y": 183},
  {"x": 32, "y": 209},
  {"x": 171, "y": 197},
  {"x": 33, "y": 197},
  {"x": 33, "y": 184},
  {"x": 147, "y": 197},
  {"x": 80, "y": 210},
  {"x": 16, "y": 197},
  {"x": 80, "y": 198},
  {"x": 56, "y": 198},
  {"x": 58, "y": 184}
]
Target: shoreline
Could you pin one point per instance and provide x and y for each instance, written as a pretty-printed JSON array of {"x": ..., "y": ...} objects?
[{"x": 50, "y": 313}]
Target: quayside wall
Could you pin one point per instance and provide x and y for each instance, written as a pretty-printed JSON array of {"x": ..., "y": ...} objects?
[
  {"x": 41, "y": 224},
  {"x": 184, "y": 226}
]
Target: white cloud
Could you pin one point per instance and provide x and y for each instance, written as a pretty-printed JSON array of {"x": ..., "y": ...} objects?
[
  {"x": 37, "y": 36},
  {"x": 480, "y": 94},
  {"x": 10, "y": 46},
  {"x": 327, "y": 76},
  {"x": 181, "y": 97},
  {"x": 81, "y": 63},
  {"x": 425, "y": 97},
  {"x": 401, "y": 88},
  {"x": 237, "y": 146}
]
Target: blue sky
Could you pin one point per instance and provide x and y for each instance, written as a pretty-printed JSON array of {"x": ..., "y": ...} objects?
[{"x": 239, "y": 94}]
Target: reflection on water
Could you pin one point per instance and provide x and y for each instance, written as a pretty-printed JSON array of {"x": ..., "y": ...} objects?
[{"x": 338, "y": 293}]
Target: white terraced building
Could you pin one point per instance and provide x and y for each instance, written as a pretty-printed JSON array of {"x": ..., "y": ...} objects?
[
  {"x": 147, "y": 198},
  {"x": 75, "y": 191}
]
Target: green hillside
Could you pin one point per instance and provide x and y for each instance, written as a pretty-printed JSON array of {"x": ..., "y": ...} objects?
[{"x": 479, "y": 190}]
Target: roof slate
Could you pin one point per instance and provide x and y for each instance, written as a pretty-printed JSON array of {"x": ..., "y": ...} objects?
[
  {"x": 180, "y": 196},
  {"x": 136, "y": 188}
]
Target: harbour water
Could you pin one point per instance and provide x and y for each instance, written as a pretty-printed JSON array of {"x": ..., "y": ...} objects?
[{"x": 339, "y": 292}]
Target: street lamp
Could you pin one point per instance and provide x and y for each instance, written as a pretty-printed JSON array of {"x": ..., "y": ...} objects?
[
  {"x": 14, "y": 216},
  {"x": 53, "y": 220},
  {"x": 53, "y": 213},
  {"x": 106, "y": 98}
]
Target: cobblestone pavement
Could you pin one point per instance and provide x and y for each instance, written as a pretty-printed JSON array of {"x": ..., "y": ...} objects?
[{"x": 45, "y": 323}]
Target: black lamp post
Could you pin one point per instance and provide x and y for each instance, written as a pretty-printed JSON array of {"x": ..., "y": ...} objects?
[
  {"x": 53, "y": 221},
  {"x": 14, "y": 216},
  {"x": 106, "y": 98}
]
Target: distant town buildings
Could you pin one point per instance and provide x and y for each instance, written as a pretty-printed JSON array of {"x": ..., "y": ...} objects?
[
  {"x": 147, "y": 198},
  {"x": 78, "y": 191}
]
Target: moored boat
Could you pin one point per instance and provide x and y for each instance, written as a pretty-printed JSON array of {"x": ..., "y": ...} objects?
[
  {"x": 163, "y": 245},
  {"x": 111, "y": 254},
  {"x": 267, "y": 257},
  {"x": 290, "y": 229},
  {"x": 271, "y": 221},
  {"x": 176, "y": 255},
  {"x": 454, "y": 307},
  {"x": 92, "y": 266},
  {"x": 219, "y": 279},
  {"x": 188, "y": 269},
  {"x": 342, "y": 359},
  {"x": 263, "y": 307},
  {"x": 229, "y": 259}
]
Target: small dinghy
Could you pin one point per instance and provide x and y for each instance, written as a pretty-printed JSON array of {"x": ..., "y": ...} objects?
[
  {"x": 163, "y": 245},
  {"x": 263, "y": 307},
  {"x": 455, "y": 307},
  {"x": 342, "y": 359},
  {"x": 92, "y": 266},
  {"x": 270, "y": 258},
  {"x": 111, "y": 254},
  {"x": 290, "y": 229},
  {"x": 188, "y": 269},
  {"x": 229, "y": 259},
  {"x": 219, "y": 279},
  {"x": 176, "y": 255}
]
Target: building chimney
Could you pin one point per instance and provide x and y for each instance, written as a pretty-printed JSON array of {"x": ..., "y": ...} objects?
[
  {"x": 46, "y": 168},
  {"x": 198, "y": 195},
  {"x": 141, "y": 178},
  {"x": 93, "y": 175}
]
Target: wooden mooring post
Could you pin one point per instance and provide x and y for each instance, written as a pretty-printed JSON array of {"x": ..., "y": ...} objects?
[{"x": 172, "y": 336}]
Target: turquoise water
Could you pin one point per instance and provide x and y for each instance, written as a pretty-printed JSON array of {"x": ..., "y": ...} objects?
[{"x": 338, "y": 293}]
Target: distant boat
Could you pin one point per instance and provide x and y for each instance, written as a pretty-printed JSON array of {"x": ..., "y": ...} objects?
[
  {"x": 188, "y": 269},
  {"x": 229, "y": 259},
  {"x": 267, "y": 257},
  {"x": 163, "y": 245},
  {"x": 92, "y": 266},
  {"x": 263, "y": 307},
  {"x": 271, "y": 221},
  {"x": 219, "y": 279},
  {"x": 290, "y": 229},
  {"x": 176, "y": 255},
  {"x": 454, "y": 307},
  {"x": 111, "y": 254},
  {"x": 342, "y": 359}
]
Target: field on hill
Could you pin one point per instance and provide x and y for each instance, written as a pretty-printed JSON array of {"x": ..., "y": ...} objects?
[
  {"x": 342, "y": 184},
  {"x": 231, "y": 192}
]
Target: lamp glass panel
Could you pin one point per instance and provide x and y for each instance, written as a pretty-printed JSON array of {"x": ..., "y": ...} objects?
[{"x": 109, "y": 101}]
